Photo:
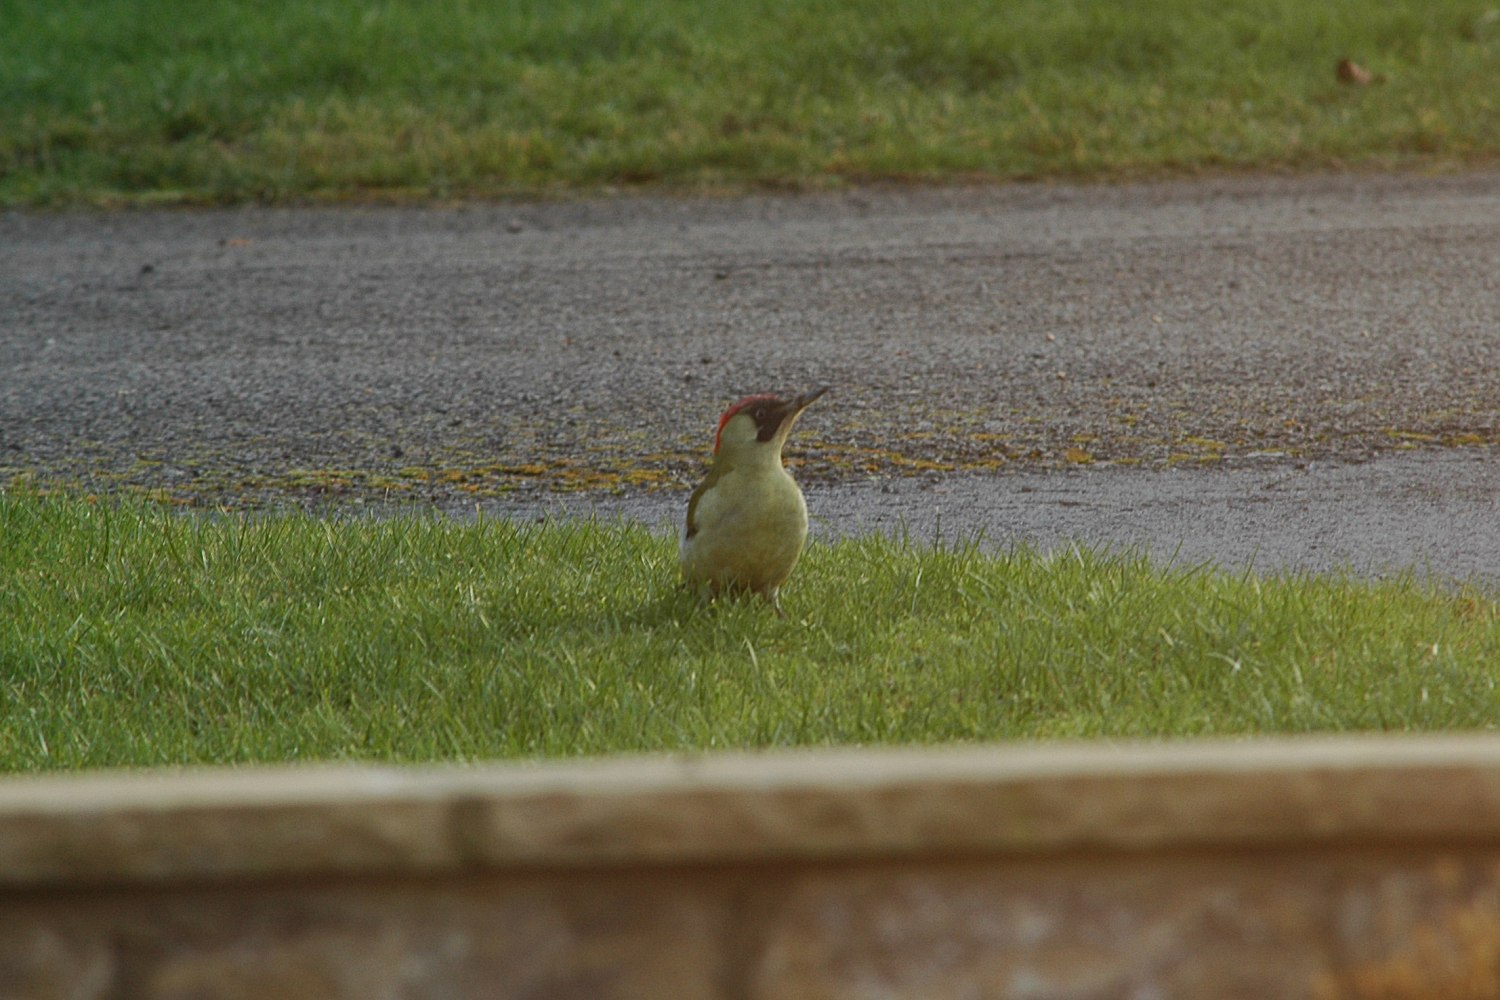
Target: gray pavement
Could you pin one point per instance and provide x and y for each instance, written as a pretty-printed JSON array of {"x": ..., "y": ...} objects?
[
  {"x": 1294, "y": 372},
  {"x": 1430, "y": 513}
]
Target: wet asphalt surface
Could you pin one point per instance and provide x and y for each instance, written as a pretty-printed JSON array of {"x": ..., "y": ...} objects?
[{"x": 1289, "y": 373}]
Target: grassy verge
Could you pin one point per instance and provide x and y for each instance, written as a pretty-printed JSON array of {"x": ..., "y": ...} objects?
[
  {"x": 132, "y": 636},
  {"x": 151, "y": 100}
]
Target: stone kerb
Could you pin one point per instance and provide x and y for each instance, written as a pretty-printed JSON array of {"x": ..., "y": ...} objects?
[{"x": 1267, "y": 868}]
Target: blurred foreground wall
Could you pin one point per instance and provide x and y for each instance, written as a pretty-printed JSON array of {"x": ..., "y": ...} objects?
[{"x": 1351, "y": 868}]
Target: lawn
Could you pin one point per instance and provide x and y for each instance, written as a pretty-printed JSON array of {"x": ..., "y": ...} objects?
[
  {"x": 133, "y": 635},
  {"x": 150, "y": 100}
]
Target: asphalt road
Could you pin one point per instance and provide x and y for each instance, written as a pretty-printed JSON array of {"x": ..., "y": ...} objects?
[{"x": 1291, "y": 372}]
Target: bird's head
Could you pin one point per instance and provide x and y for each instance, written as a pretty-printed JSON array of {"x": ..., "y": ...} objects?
[{"x": 761, "y": 422}]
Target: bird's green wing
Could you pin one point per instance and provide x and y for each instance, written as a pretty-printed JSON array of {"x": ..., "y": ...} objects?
[{"x": 703, "y": 487}]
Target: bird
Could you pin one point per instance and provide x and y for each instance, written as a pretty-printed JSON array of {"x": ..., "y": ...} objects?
[{"x": 747, "y": 521}]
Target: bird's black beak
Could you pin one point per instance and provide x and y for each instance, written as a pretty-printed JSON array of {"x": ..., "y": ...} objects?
[
  {"x": 788, "y": 411},
  {"x": 803, "y": 401}
]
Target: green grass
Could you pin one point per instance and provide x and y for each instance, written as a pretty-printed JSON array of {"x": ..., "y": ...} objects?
[
  {"x": 160, "y": 100},
  {"x": 130, "y": 635}
]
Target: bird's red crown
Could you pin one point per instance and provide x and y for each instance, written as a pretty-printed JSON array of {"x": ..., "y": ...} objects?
[{"x": 737, "y": 407}]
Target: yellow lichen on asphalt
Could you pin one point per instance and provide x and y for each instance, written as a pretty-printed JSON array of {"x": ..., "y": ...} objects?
[{"x": 958, "y": 443}]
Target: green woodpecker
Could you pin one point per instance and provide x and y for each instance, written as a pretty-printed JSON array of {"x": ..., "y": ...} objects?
[{"x": 747, "y": 522}]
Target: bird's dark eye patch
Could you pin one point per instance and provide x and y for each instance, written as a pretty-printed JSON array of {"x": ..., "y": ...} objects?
[{"x": 767, "y": 415}]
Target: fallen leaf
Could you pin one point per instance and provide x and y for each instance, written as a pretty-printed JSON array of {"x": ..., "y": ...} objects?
[{"x": 1352, "y": 72}]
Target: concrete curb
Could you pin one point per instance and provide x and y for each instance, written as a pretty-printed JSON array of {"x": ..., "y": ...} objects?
[
  {"x": 819, "y": 804},
  {"x": 1221, "y": 869}
]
